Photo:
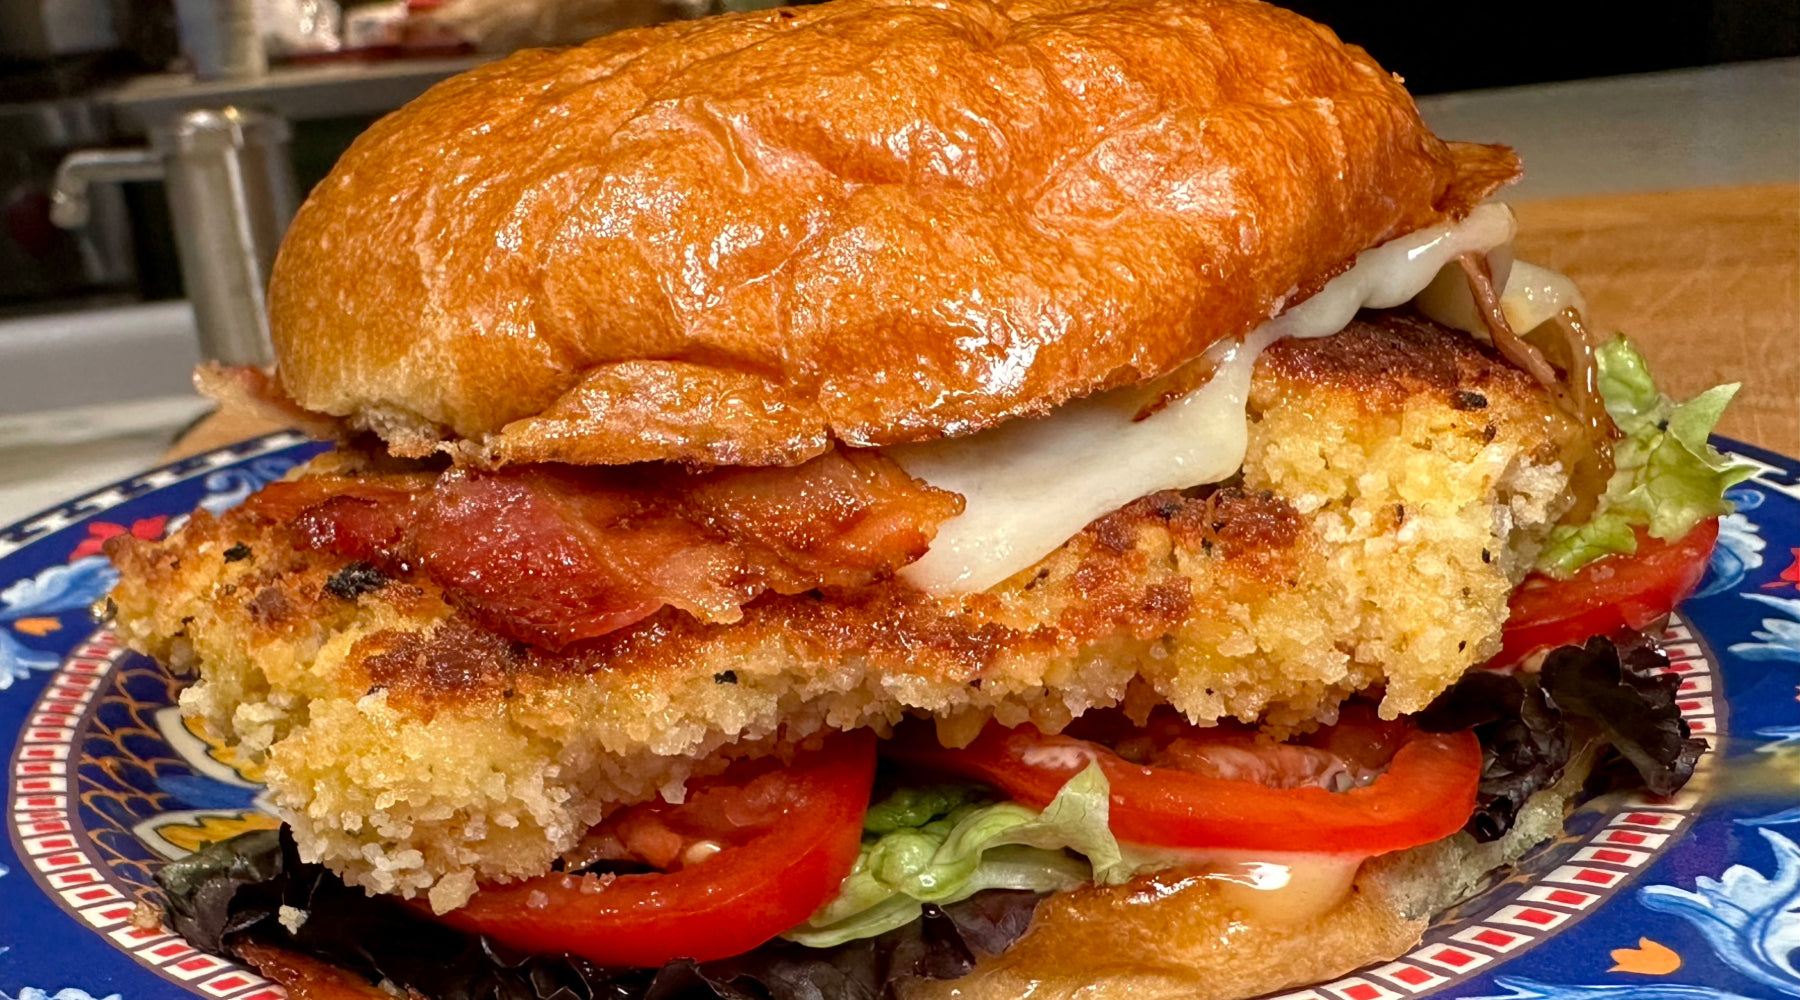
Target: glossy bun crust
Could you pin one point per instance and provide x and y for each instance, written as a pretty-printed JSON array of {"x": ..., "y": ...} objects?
[{"x": 734, "y": 240}]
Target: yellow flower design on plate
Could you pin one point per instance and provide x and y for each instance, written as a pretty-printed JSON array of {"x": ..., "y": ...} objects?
[
  {"x": 204, "y": 752},
  {"x": 200, "y": 831}
]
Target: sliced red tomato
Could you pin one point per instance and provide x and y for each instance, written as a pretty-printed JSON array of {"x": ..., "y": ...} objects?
[
  {"x": 775, "y": 840},
  {"x": 1203, "y": 799},
  {"x": 1613, "y": 594}
]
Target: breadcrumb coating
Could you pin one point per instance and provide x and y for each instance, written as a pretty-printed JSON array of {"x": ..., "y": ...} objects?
[{"x": 1398, "y": 481}]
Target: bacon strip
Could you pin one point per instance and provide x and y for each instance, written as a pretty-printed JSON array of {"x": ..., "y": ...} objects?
[
  {"x": 255, "y": 392},
  {"x": 553, "y": 555}
]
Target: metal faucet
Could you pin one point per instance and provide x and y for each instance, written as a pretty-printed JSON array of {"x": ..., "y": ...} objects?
[{"x": 231, "y": 194}]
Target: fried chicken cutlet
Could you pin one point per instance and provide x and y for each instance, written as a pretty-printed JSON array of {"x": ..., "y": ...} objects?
[{"x": 1398, "y": 482}]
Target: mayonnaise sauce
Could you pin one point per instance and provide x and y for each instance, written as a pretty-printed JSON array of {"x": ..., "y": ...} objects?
[{"x": 1269, "y": 887}]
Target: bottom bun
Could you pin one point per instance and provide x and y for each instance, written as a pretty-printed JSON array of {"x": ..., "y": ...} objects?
[{"x": 1166, "y": 935}]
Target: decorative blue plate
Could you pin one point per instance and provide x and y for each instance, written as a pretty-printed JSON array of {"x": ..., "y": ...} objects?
[{"x": 1692, "y": 897}]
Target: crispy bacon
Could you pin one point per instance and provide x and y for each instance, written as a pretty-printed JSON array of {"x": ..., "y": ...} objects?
[
  {"x": 553, "y": 555},
  {"x": 546, "y": 561},
  {"x": 256, "y": 393},
  {"x": 284, "y": 501}
]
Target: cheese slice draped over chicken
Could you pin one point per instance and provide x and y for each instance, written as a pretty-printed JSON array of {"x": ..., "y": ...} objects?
[{"x": 1030, "y": 485}]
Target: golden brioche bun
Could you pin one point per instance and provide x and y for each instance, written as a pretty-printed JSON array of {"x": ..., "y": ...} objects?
[{"x": 734, "y": 240}]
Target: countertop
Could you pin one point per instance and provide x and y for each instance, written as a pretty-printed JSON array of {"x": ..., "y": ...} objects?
[
  {"x": 1673, "y": 199},
  {"x": 1706, "y": 281},
  {"x": 1714, "y": 127}
]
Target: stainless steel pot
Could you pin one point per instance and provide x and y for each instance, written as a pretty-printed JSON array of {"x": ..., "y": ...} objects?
[{"x": 231, "y": 190}]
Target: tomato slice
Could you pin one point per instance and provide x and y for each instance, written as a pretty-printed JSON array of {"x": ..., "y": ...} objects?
[
  {"x": 1425, "y": 792},
  {"x": 778, "y": 838},
  {"x": 1607, "y": 596}
]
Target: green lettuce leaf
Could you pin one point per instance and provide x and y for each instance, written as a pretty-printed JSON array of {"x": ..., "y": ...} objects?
[
  {"x": 1666, "y": 478},
  {"x": 943, "y": 844}
]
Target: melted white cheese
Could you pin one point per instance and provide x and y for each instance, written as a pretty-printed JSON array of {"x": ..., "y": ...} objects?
[
  {"x": 1030, "y": 485},
  {"x": 1534, "y": 294}
]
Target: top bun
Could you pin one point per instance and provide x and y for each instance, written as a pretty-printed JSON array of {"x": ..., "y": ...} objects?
[{"x": 734, "y": 240}]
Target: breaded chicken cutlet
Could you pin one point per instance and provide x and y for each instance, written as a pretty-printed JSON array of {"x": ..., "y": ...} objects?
[{"x": 1399, "y": 481}]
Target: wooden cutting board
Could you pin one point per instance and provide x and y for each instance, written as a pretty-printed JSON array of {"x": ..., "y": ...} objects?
[{"x": 1707, "y": 282}]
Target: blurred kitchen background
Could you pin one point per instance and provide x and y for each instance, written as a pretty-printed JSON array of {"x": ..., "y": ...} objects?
[
  {"x": 186, "y": 130},
  {"x": 81, "y": 74}
]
